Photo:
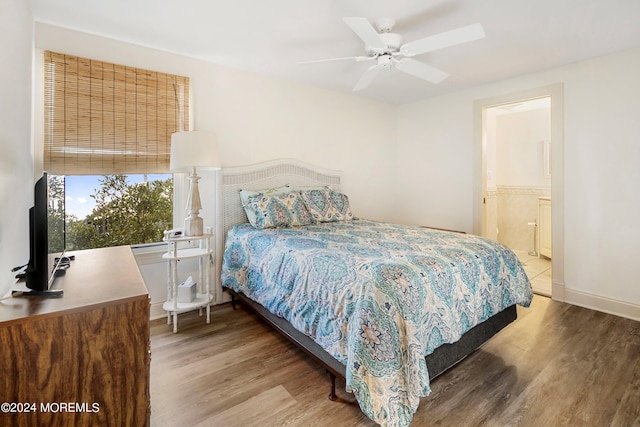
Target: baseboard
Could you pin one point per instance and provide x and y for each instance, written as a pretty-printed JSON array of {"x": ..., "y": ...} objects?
[
  {"x": 558, "y": 291},
  {"x": 156, "y": 311},
  {"x": 600, "y": 303}
]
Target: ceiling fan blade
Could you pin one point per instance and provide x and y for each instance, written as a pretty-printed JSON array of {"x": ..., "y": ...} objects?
[
  {"x": 367, "y": 77},
  {"x": 421, "y": 70},
  {"x": 363, "y": 28},
  {"x": 442, "y": 40},
  {"x": 356, "y": 58}
]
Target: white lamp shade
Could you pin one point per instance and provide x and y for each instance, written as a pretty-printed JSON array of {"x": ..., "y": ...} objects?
[{"x": 191, "y": 149}]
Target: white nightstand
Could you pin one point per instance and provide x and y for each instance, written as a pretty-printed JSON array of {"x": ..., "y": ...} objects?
[{"x": 182, "y": 248}]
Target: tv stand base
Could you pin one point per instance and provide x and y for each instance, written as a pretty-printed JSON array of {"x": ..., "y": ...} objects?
[{"x": 51, "y": 293}]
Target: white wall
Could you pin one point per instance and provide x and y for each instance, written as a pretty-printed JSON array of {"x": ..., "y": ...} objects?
[
  {"x": 520, "y": 147},
  {"x": 434, "y": 170},
  {"x": 16, "y": 162},
  {"x": 601, "y": 155}
]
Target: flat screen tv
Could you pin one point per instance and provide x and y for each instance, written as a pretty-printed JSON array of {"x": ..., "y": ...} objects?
[{"x": 41, "y": 271}]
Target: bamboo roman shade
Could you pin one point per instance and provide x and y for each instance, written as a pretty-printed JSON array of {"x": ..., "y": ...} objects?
[{"x": 103, "y": 118}]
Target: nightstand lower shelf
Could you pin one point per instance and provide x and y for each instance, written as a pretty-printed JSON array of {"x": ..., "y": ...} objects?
[{"x": 201, "y": 301}]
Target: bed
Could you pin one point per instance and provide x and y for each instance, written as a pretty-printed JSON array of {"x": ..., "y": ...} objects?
[{"x": 386, "y": 307}]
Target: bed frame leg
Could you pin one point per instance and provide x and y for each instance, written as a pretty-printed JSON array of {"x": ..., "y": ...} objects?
[
  {"x": 233, "y": 301},
  {"x": 332, "y": 395}
]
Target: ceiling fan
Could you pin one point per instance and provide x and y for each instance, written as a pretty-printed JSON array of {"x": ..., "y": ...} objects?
[{"x": 387, "y": 50}]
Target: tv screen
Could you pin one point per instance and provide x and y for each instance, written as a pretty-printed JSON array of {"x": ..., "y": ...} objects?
[{"x": 41, "y": 270}]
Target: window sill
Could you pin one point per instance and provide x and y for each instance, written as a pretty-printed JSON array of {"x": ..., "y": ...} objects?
[{"x": 150, "y": 253}]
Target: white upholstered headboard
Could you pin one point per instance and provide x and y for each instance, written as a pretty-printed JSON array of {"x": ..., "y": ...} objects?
[{"x": 260, "y": 176}]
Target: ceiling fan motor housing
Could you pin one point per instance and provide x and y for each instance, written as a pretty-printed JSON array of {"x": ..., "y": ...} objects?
[{"x": 392, "y": 41}]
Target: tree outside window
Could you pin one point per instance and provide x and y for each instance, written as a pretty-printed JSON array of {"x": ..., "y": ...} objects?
[{"x": 125, "y": 213}]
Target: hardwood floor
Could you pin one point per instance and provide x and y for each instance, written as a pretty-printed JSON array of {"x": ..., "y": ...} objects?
[{"x": 556, "y": 365}]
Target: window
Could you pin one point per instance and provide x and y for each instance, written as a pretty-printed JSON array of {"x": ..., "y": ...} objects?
[
  {"x": 92, "y": 211},
  {"x": 108, "y": 128}
]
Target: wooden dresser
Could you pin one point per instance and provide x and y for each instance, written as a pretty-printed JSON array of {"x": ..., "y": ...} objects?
[{"x": 81, "y": 359}]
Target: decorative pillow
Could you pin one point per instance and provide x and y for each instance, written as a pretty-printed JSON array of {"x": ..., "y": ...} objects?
[
  {"x": 317, "y": 202},
  {"x": 280, "y": 210},
  {"x": 341, "y": 210},
  {"x": 326, "y": 205},
  {"x": 246, "y": 194}
]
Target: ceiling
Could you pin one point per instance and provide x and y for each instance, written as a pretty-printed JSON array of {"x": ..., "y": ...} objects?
[{"x": 271, "y": 37}]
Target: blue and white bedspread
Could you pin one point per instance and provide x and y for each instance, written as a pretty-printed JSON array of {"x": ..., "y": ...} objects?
[{"x": 378, "y": 297}]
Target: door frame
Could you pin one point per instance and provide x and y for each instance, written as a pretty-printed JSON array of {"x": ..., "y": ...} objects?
[{"x": 556, "y": 93}]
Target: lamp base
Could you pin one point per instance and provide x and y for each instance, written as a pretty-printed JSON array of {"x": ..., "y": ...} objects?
[{"x": 193, "y": 226}]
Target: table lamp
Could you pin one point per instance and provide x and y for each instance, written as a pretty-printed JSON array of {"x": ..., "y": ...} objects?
[{"x": 191, "y": 150}]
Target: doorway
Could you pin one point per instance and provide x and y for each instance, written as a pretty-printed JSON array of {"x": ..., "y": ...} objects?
[
  {"x": 514, "y": 189},
  {"x": 517, "y": 196}
]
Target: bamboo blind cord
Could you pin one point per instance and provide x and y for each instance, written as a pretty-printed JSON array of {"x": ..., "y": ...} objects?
[{"x": 103, "y": 118}]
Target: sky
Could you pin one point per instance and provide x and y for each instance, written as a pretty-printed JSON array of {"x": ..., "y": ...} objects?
[{"x": 79, "y": 189}]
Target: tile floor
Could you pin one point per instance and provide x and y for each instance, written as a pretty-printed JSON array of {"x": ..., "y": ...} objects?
[{"x": 538, "y": 270}]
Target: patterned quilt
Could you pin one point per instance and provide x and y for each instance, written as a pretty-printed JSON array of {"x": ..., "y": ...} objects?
[{"x": 378, "y": 297}]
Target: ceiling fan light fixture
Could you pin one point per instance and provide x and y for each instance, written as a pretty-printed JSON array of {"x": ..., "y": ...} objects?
[{"x": 384, "y": 61}]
